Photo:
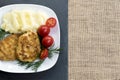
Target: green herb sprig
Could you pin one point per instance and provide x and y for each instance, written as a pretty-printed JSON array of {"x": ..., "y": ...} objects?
[
  {"x": 51, "y": 51},
  {"x": 3, "y": 34},
  {"x": 33, "y": 65}
]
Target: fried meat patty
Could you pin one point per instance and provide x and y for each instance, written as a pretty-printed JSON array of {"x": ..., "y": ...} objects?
[
  {"x": 8, "y": 47},
  {"x": 28, "y": 47}
]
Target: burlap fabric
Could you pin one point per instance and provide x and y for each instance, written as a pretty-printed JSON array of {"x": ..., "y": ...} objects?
[{"x": 94, "y": 39}]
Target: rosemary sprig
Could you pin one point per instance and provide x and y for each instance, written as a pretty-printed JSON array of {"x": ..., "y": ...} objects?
[
  {"x": 36, "y": 65},
  {"x": 3, "y": 34},
  {"x": 51, "y": 51},
  {"x": 33, "y": 65}
]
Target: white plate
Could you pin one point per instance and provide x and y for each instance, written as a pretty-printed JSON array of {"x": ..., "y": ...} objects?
[{"x": 12, "y": 66}]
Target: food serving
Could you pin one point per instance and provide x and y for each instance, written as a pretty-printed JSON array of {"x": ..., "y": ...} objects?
[
  {"x": 17, "y": 21},
  {"x": 25, "y": 37}
]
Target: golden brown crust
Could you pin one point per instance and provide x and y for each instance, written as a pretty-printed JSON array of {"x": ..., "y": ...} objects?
[
  {"x": 28, "y": 47},
  {"x": 8, "y": 47}
]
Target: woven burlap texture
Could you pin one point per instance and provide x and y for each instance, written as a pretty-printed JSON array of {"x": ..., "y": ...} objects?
[{"x": 94, "y": 40}]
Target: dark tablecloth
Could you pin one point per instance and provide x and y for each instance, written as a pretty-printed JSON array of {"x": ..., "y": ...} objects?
[{"x": 60, "y": 70}]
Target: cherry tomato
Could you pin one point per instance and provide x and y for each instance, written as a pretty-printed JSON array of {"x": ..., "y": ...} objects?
[
  {"x": 47, "y": 41},
  {"x": 44, "y": 54},
  {"x": 51, "y": 22},
  {"x": 43, "y": 30}
]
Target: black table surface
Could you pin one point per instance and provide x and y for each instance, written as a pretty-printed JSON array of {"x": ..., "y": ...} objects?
[{"x": 60, "y": 70}]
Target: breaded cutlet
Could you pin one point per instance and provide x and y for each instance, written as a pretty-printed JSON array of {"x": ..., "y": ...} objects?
[
  {"x": 28, "y": 47},
  {"x": 8, "y": 47}
]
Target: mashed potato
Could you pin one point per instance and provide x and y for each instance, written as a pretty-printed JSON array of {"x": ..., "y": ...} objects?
[{"x": 18, "y": 21}]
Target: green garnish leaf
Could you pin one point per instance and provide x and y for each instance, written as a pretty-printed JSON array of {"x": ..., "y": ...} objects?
[
  {"x": 36, "y": 65},
  {"x": 33, "y": 65},
  {"x": 53, "y": 50},
  {"x": 3, "y": 34}
]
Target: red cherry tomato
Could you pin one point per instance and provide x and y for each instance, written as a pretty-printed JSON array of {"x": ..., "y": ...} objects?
[
  {"x": 43, "y": 30},
  {"x": 44, "y": 54},
  {"x": 51, "y": 22},
  {"x": 47, "y": 41}
]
